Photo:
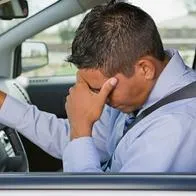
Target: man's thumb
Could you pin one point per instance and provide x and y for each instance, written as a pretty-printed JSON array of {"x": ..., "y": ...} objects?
[{"x": 107, "y": 87}]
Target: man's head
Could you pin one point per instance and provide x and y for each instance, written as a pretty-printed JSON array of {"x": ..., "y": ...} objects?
[{"x": 119, "y": 40}]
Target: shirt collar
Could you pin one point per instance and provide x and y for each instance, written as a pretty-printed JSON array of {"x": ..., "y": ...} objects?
[{"x": 166, "y": 83}]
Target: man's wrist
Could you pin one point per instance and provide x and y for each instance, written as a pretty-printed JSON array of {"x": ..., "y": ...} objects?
[
  {"x": 2, "y": 98},
  {"x": 82, "y": 132}
]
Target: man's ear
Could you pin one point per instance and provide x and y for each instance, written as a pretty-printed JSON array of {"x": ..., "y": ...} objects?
[{"x": 146, "y": 66}]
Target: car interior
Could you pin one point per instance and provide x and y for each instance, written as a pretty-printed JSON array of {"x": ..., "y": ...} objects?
[
  {"x": 33, "y": 65},
  {"x": 25, "y": 155}
]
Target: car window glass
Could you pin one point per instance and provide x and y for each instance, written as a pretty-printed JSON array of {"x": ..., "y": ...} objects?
[
  {"x": 177, "y": 29},
  {"x": 58, "y": 39}
]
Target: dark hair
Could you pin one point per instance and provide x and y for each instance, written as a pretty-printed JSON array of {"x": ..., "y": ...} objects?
[{"x": 113, "y": 37}]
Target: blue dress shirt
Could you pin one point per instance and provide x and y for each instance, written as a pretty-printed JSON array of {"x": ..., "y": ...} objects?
[{"x": 164, "y": 141}]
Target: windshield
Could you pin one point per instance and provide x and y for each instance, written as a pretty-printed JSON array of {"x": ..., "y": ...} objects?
[{"x": 34, "y": 7}]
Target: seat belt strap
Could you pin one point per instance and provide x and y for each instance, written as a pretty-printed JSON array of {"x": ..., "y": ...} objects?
[{"x": 186, "y": 92}]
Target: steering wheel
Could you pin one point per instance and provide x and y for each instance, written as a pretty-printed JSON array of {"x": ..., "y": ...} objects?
[{"x": 13, "y": 157}]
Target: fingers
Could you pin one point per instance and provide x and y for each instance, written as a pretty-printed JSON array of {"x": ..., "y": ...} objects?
[{"x": 107, "y": 88}]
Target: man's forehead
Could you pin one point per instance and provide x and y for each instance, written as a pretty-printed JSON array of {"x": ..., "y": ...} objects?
[{"x": 92, "y": 76}]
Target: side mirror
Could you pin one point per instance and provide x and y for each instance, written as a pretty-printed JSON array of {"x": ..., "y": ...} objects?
[
  {"x": 34, "y": 55},
  {"x": 10, "y": 9}
]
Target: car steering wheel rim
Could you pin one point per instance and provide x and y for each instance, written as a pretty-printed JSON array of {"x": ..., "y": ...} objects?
[{"x": 13, "y": 157}]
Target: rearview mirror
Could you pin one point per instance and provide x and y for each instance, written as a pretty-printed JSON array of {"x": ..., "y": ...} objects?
[
  {"x": 10, "y": 9},
  {"x": 34, "y": 55}
]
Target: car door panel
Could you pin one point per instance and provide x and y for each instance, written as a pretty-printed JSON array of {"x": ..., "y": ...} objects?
[{"x": 48, "y": 94}]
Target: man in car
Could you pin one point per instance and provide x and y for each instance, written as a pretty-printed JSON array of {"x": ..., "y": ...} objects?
[{"x": 123, "y": 69}]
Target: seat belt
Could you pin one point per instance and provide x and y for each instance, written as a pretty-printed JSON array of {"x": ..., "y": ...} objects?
[{"x": 186, "y": 92}]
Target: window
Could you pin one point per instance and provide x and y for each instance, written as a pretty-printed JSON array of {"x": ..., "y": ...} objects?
[
  {"x": 58, "y": 39},
  {"x": 177, "y": 29}
]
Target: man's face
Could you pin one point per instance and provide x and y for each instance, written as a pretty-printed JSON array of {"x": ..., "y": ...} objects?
[{"x": 129, "y": 94}]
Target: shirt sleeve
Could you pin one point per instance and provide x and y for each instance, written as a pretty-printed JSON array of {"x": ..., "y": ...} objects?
[
  {"x": 103, "y": 132},
  {"x": 86, "y": 154},
  {"x": 81, "y": 155},
  {"x": 44, "y": 129}
]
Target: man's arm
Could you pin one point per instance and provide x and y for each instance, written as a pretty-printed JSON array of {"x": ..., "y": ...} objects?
[
  {"x": 45, "y": 129},
  {"x": 82, "y": 115},
  {"x": 42, "y": 128},
  {"x": 81, "y": 154}
]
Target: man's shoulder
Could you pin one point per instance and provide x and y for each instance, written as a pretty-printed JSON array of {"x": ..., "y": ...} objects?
[
  {"x": 175, "y": 115},
  {"x": 181, "y": 109}
]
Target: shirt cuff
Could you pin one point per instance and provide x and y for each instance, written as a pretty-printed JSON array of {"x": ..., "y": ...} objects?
[
  {"x": 12, "y": 112},
  {"x": 81, "y": 155}
]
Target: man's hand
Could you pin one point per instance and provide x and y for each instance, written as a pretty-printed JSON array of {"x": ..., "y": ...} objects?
[
  {"x": 84, "y": 107},
  {"x": 2, "y": 98}
]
